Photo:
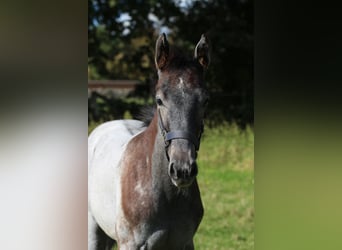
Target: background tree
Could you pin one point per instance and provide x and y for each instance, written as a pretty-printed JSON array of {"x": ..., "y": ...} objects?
[{"x": 122, "y": 36}]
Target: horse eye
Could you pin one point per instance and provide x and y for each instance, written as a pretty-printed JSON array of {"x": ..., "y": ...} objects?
[{"x": 159, "y": 101}]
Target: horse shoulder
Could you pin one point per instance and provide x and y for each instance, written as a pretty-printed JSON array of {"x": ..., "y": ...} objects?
[
  {"x": 106, "y": 146},
  {"x": 136, "y": 179}
]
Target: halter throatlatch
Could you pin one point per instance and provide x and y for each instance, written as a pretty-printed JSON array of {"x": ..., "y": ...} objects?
[{"x": 179, "y": 134}]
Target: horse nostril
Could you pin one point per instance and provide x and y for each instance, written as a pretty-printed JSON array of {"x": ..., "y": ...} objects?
[
  {"x": 185, "y": 172},
  {"x": 194, "y": 170},
  {"x": 180, "y": 174},
  {"x": 172, "y": 169}
]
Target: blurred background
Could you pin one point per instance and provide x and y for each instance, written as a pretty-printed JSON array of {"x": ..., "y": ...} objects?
[
  {"x": 122, "y": 77},
  {"x": 121, "y": 41},
  {"x": 44, "y": 66}
]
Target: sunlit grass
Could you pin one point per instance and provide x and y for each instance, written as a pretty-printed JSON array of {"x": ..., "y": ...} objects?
[{"x": 226, "y": 179}]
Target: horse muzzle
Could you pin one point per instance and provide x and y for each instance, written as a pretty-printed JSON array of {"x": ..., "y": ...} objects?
[{"x": 182, "y": 174}]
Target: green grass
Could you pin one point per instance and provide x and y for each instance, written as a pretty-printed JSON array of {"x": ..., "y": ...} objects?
[{"x": 226, "y": 180}]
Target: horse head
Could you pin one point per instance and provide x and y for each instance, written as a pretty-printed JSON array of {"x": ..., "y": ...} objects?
[{"x": 181, "y": 99}]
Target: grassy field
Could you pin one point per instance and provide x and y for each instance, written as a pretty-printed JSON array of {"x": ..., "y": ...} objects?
[{"x": 226, "y": 180}]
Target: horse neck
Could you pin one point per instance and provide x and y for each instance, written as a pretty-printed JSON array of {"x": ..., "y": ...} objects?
[{"x": 159, "y": 159}]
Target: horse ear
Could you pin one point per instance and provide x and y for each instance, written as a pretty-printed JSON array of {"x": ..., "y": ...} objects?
[
  {"x": 162, "y": 51},
  {"x": 202, "y": 52}
]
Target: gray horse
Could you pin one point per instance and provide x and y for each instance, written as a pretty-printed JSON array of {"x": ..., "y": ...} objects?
[{"x": 143, "y": 192}]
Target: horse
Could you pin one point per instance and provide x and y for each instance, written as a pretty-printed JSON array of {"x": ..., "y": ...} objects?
[{"x": 142, "y": 188}]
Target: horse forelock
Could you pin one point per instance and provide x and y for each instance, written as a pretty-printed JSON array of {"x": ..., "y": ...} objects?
[{"x": 180, "y": 72}]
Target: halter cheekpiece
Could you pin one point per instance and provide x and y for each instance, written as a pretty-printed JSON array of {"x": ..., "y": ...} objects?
[{"x": 178, "y": 134}]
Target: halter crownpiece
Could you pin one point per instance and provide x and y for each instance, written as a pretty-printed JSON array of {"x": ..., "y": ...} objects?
[{"x": 178, "y": 134}]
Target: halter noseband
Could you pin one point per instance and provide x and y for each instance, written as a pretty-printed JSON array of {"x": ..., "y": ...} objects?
[{"x": 178, "y": 134}]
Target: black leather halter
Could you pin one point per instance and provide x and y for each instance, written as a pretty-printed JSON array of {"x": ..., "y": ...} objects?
[{"x": 178, "y": 134}]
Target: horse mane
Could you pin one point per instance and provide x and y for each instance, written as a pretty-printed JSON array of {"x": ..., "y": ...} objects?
[{"x": 146, "y": 114}]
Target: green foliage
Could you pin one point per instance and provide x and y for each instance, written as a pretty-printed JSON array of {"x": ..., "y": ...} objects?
[
  {"x": 102, "y": 108},
  {"x": 122, "y": 37}
]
